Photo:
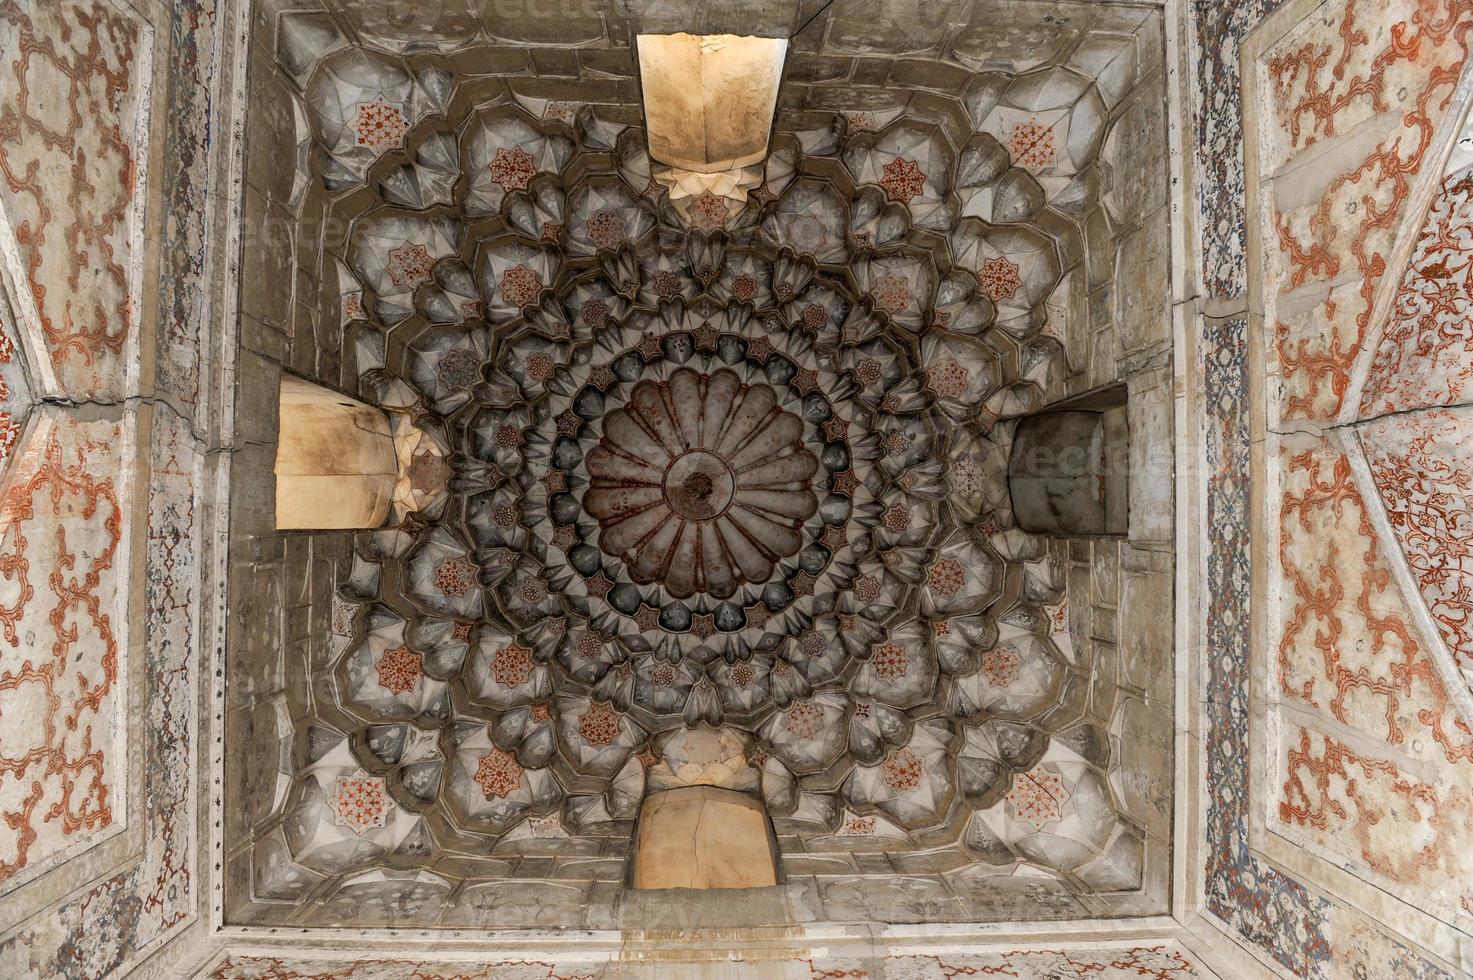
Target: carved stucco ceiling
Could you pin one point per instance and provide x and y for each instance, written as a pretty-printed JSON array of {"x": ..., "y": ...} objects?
[{"x": 698, "y": 491}]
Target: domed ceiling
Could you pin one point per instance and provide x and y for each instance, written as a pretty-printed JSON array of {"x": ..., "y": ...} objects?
[{"x": 705, "y": 483}]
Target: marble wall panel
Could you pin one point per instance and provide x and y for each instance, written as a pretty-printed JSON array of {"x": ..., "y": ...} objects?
[
  {"x": 65, "y": 532},
  {"x": 74, "y": 103},
  {"x": 1162, "y": 962}
]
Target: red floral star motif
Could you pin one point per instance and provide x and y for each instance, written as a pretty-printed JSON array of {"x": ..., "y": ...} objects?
[
  {"x": 541, "y": 711},
  {"x": 867, "y": 372},
  {"x": 835, "y": 428},
  {"x": 379, "y": 125},
  {"x": 595, "y": 313},
  {"x": 554, "y": 481},
  {"x": 409, "y": 265},
  {"x": 802, "y": 584},
  {"x": 606, "y": 229},
  {"x": 455, "y": 577},
  {"x": 552, "y": 232},
  {"x": 903, "y": 180},
  {"x": 666, "y": 284},
  {"x": 1037, "y": 796},
  {"x": 599, "y": 725},
  {"x": 948, "y": 379},
  {"x": 744, "y": 287},
  {"x": 804, "y": 719},
  {"x": 512, "y": 665},
  {"x": 846, "y": 483},
  {"x": 759, "y": 349},
  {"x": 512, "y": 168},
  {"x": 599, "y": 585},
  {"x": 703, "y": 625},
  {"x": 834, "y": 537},
  {"x": 360, "y": 803},
  {"x": 533, "y": 590},
  {"x": 520, "y": 286},
  {"x": 1032, "y": 144},
  {"x": 458, "y": 369},
  {"x": 902, "y": 770},
  {"x": 890, "y": 661},
  {"x": 588, "y": 645},
  {"x": 647, "y": 618},
  {"x": 758, "y": 616},
  {"x": 504, "y": 515},
  {"x": 945, "y": 576},
  {"x": 815, "y": 317},
  {"x": 539, "y": 366},
  {"x": 498, "y": 774},
  {"x": 867, "y": 588},
  {"x": 708, "y": 212},
  {"x": 399, "y": 670},
  {"x": 601, "y": 377},
  {"x": 564, "y": 538},
  {"x": 1001, "y": 666},
  {"x": 568, "y": 423},
  {"x": 706, "y": 336},
  {"x": 649, "y": 347},
  {"x": 998, "y": 279},
  {"x": 891, "y": 293}
]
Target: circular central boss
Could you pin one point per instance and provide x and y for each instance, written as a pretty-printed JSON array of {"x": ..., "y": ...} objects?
[
  {"x": 701, "y": 483},
  {"x": 699, "y": 486}
]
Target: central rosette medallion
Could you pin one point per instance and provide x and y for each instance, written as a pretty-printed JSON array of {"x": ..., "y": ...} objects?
[{"x": 701, "y": 483}]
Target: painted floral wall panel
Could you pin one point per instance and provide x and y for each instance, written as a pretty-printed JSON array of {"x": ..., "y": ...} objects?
[
  {"x": 1422, "y": 466},
  {"x": 1370, "y": 754},
  {"x": 1374, "y": 758},
  {"x": 73, "y": 100},
  {"x": 63, "y": 575},
  {"x": 1425, "y": 353},
  {"x": 1348, "y": 105}
]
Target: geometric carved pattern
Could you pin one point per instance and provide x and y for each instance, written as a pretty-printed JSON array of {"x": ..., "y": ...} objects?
[{"x": 703, "y": 481}]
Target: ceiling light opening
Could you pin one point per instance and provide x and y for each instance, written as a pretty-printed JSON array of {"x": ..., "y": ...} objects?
[{"x": 709, "y": 99}]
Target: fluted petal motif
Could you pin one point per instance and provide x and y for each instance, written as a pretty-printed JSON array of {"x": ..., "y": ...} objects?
[{"x": 701, "y": 483}]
